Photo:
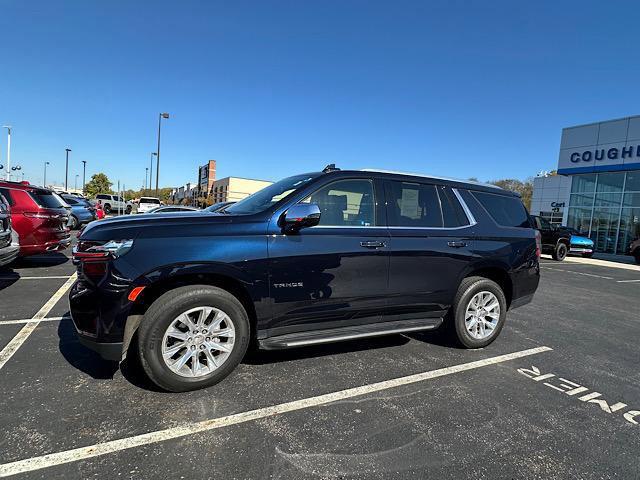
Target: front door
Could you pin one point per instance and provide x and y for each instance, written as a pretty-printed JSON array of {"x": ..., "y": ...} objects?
[{"x": 334, "y": 274}]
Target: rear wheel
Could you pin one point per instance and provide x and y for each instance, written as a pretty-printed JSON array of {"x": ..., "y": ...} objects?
[
  {"x": 560, "y": 252},
  {"x": 128, "y": 210},
  {"x": 73, "y": 223},
  {"x": 479, "y": 312},
  {"x": 107, "y": 208},
  {"x": 192, "y": 337},
  {"x": 636, "y": 255}
]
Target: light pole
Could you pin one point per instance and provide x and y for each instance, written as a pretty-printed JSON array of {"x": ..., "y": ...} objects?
[
  {"x": 8, "y": 127},
  {"x": 84, "y": 170},
  {"x": 75, "y": 183},
  {"x": 153, "y": 154},
  {"x": 66, "y": 170},
  {"x": 146, "y": 172},
  {"x": 44, "y": 180},
  {"x": 160, "y": 117}
]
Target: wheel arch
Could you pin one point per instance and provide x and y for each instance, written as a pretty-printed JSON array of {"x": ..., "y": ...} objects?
[
  {"x": 496, "y": 272},
  {"x": 222, "y": 279}
]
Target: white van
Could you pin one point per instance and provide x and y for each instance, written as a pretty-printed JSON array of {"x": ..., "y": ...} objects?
[{"x": 147, "y": 203}]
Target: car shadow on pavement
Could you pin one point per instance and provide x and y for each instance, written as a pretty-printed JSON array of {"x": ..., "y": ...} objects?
[
  {"x": 81, "y": 357},
  {"x": 45, "y": 260},
  {"x": 8, "y": 277}
]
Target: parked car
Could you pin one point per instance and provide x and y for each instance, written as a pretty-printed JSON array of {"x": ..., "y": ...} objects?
[
  {"x": 314, "y": 258},
  {"x": 174, "y": 208},
  {"x": 82, "y": 211},
  {"x": 114, "y": 203},
  {"x": 38, "y": 216},
  {"x": 218, "y": 207},
  {"x": 559, "y": 241},
  {"x": 148, "y": 203},
  {"x": 9, "y": 246},
  {"x": 634, "y": 249}
]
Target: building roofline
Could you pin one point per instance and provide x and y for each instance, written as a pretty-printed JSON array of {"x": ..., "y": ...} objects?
[{"x": 602, "y": 121}]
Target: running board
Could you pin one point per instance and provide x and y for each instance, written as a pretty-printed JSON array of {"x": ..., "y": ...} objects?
[{"x": 347, "y": 333}]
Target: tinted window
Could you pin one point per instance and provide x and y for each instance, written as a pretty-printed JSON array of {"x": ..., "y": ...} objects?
[
  {"x": 6, "y": 193},
  {"x": 345, "y": 203},
  {"x": 46, "y": 199},
  {"x": 104, "y": 197},
  {"x": 70, "y": 200},
  {"x": 452, "y": 212},
  {"x": 154, "y": 201},
  {"x": 413, "y": 205},
  {"x": 505, "y": 210}
]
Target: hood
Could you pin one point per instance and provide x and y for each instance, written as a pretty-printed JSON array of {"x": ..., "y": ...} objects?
[
  {"x": 578, "y": 240},
  {"x": 130, "y": 225}
]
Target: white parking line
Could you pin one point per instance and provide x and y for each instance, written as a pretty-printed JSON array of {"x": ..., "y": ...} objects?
[
  {"x": 83, "y": 453},
  {"x": 28, "y": 320},
  {"x": 18, "y": 277},
  {"x": 628, "y": 281},
  {"x": 17, "y": 341},
  {"x": 578, "y": 273}
]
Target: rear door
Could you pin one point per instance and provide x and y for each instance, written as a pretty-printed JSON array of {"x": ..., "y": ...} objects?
[
  {"x": 430, "y": 246},
  {"x": 334, "y": 274}
]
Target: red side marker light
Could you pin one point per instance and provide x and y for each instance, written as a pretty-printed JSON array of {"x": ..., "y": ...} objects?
[{"x": 134, "y": 293}]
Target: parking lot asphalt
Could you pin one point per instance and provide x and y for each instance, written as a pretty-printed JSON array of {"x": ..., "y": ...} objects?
[{"x": 567, "y": 411}]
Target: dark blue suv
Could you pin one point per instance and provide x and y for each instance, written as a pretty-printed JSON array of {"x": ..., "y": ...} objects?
[{"x": 314, "y": 258}]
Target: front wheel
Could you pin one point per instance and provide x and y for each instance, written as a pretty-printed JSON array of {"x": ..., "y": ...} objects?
[
  {"x": 560, "y": 252},
  {"x": 637, "y": 257},
  {"x": 73, "y": 223},
  {"x": 192, "y": 337},
  {"x": 479, "y": 312},
  {"x": 587, "y": 255}
]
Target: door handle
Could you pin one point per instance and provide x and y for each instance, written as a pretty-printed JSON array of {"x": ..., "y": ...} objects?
[
  {"x": 457, "y": 244},
  {"x": 373, "y": 244}
]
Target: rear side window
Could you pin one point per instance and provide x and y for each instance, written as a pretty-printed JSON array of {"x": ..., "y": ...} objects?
[
  {"x": 70, "y": 200},
  {"x": 154, "y": 201},
  {"x": 413, "y": 205},
  {"x": 46, "y": 199},
  {"x": 452, "y": 213},
  {"x": 104, "y": 197},
  {"x": 505, "y": 210},
  {"x": 6, "y": 193}
]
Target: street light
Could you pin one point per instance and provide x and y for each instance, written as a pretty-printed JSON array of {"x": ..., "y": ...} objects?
[
  {"x": 8, "y": 127},
  {"x": 146, "y": 172},
  {"x": 44, "y": 181},
  {"x": 66, "y": 170},
  {"x": 84, "y": 170},
  {"x": 75, "y": 183},
  {"x": 153, "y": 154},
  {"x": 160, "y": 117}
]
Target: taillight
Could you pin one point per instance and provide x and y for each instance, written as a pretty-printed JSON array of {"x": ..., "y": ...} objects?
[
  {"x": 41, "y": 215},
  {"x": 538, "y": 244},
  {"x": 94, "y": 255}
]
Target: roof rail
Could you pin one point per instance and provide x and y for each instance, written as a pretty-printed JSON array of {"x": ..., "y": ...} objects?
[
  {"x": 470, "y": 182},
  {"x": 330, "y": 168}
]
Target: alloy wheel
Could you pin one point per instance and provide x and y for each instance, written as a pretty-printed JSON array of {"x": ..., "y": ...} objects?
[
  {"x": 482, "y": 315},
  {"x": 198, "y": 341}
]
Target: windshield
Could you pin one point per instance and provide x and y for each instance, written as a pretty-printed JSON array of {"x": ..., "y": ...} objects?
[{"x": 269, "y": 196}]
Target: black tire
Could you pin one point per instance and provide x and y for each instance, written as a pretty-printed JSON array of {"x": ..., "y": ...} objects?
[
  {"x": 560, "y": 252},
  {"x": 128, "y": 210},
  {"x": 107, "y": 208},
  {"x": 160, "y": 316},
  {"x": 636, "y": 255},
  {"x": 73, "y": 223},
  {"x": 587, "y": 255},
  {"x": 469, "y": 287}
]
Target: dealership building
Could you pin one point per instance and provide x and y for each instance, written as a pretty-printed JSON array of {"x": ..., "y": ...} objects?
[{"x": 597, "y": 189}]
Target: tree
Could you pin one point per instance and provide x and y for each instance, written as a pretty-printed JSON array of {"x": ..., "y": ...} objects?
[
  {"x": 99, "y": 183},
  {"x": 525, "y": 189}
]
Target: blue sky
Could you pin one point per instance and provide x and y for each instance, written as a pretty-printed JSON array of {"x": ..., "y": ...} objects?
[{"x": 272, "y": 88}]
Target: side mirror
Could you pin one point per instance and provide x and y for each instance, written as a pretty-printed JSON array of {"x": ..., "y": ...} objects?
[{"x": 300, "y": 216}]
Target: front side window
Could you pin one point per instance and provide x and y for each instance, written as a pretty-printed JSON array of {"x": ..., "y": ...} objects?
[
  {"x": 413, "y": 205},
  {"x": 345, "y": 203}
]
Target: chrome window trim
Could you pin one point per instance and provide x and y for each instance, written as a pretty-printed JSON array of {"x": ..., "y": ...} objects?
[
  {"x": 465, "y": 207},
  {"x": 433, "y": 177}
]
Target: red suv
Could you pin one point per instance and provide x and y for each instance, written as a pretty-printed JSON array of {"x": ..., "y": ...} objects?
[{"x": 38, "y": 216}]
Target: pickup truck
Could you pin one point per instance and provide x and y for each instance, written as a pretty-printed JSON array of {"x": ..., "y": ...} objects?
[{"x": 559, "y": 241}]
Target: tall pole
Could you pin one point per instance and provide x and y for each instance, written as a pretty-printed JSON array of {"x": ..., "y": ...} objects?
[
  {"x": 75, "y": 184},
  {"x": 84, "y": 171},
  {"x": 146, "y": 172},
  {"x": 66, "y": 170},
  {"x": 153, "y": 154},
  {"x": 8, "y": 127},
  {"x": 44, "y": 180},
  {"x": 160, "y": 117}
]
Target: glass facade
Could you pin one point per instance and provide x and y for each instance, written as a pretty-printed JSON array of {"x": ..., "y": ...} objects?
[{"x": 606, "y": 207}]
